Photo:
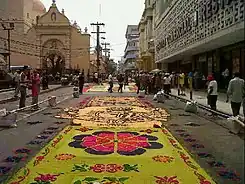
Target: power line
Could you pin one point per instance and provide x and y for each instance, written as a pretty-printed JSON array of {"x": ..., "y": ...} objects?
[
  {"x": 98, "y": 32},
  {"x": 37, "y": 46}
]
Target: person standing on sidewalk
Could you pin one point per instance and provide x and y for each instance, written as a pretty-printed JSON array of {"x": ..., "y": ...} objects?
[
  {"x": 236, "y": 92},
  {"x": 23, "y": 87},
  {"x": 137, "y": 82},
  {"x": 212, "y": 92},
  {"x": 35, "y": 79},
  {"x": 182, "y": 83},
  {"x": 167, "y": 84},
  {"x": 17, "y": 83}
]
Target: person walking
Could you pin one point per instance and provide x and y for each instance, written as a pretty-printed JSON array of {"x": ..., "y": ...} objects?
[
  {"x": 110, "y": 79},
  {"x": 81, "y": 82},
  {"x": 236, "y": 92},
  {"x": 35, "y": 80},
  {"x": 23, "y": 87},
  {"x": 45, "y": 80},
  {"x": 17, "y": 83},
  {"x": 120, "y": 82},
  {"x": 212, "y": 92}
]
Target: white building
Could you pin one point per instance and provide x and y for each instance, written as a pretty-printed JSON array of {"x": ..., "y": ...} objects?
[
  {"x": 207, "y": 36},
  {"x": 131, "y": 51}
]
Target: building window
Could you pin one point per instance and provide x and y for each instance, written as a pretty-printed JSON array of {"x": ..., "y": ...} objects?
[{"x": 28, "y": 15}]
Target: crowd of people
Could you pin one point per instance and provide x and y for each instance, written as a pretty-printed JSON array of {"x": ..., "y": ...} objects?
[
  {"x": 25, "y": 80},
  {"x": 150, "y": 83}
]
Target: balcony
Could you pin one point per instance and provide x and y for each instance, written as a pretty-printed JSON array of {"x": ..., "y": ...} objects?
[
  {"x": 131, "y": 56},
  {"x": 151, "y": 46},
  {"x": 131, "y": 48}
]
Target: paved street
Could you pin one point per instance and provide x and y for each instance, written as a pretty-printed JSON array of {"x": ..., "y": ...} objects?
[
  {"x": 10, "y": 94},
  {"x": 216, "y": 150}
]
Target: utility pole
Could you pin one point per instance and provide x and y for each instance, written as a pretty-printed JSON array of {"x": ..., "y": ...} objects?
[
  {"x": 9, "y": 28},
  {"x": 98, "y": 32},
  {"x": 106, "y": 50}
]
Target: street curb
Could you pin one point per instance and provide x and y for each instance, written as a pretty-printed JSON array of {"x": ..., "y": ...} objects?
[
  {"x": 6, "y": 90},
  {"x": 220, "y": 113},
  {"x": 12, "y": 99}
]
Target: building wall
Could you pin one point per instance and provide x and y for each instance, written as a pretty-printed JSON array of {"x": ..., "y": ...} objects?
[
  {"x": 192, "y": 26},
  {"x": 30, "y": 45},
  {"x": 80, "y": 54}
]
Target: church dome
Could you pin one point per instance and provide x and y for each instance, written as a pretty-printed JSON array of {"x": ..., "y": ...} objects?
[{"x": 38, "y": 6}]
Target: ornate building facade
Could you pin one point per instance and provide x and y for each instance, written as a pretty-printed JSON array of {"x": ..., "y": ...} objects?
[
  {"x": 43, "y": 40},
  {"x": 131, "y": 51},
  {"x": 207, "y": 35},
  {"x": 146, "y": 38}
]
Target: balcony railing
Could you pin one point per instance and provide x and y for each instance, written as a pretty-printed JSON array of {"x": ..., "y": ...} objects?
[{"x": 151, "y": 46}]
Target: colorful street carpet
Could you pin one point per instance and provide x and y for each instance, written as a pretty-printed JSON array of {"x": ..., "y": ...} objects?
[
  {"x": 114, "y": 145},
  {"x": 104, "y": 88}
]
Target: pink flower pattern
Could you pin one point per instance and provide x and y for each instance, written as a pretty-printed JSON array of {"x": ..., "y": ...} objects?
[{"x": 124, "y": 143}]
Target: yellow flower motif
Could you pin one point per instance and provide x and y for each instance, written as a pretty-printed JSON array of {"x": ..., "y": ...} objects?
[
  {"x": 64, "y": 156},
  {"x": 163, "y": 159}
]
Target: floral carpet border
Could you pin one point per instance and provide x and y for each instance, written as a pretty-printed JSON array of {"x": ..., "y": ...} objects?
[
  {"x": 41, "y": 156},
  {"x": 220, "y": 167},
  {"x": 10, "y": 165}
]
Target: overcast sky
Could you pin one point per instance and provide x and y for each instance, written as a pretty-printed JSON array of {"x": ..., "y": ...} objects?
[{"x": 116, "y": 14}]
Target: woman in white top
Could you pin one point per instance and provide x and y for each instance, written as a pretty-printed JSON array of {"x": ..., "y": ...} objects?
[
  {"x": 212, "y": 92},
  {"x": 167, "y": 84}
]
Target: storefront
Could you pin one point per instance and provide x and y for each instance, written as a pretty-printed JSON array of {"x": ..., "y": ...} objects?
[{"x": 213, "y": 40}]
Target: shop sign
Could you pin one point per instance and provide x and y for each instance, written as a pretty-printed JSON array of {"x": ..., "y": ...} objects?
[{"x": 207, "y": 8}]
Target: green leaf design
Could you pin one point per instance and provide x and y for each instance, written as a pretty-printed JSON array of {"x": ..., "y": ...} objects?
[
  {"x": 25, "y": 172},
  {"x": 77, "y": 182},
  {"x": 90, "y": 179},
  {"x": 128, "y": 168},
  {"x": 113, "y": 179},
  {"x": 81, "y": 168},
  {"x": 122, "y": 180}
]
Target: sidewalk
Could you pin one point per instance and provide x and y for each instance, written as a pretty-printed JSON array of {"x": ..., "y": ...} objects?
[
  {"x": 10, "y": 94},
  {"x": 201, "y": 97}
]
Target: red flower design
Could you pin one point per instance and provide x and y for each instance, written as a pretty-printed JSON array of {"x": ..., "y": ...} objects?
[
  {"x": 163, "y": 159},
  {"x": 40, "y": 158},
  {"x": 127, "y": 143},
  {"x": 46, "y": 177},
  {"x": 99, "y": 168},
  {"x": 64, "y": 156},
  {"x": 112, "y": 168},
  {"x": 167, "y": 180}
]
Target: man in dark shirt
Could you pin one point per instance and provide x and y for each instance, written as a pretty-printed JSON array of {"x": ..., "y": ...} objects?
[
  {"x": 23, "y": 87},
  {"x": 120, "y": 82}
]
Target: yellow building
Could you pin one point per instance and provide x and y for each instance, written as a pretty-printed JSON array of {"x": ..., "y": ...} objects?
[
  {"x": 146, "y": 61},
  {"x": 43, "y": 40},
  {"x": 94, "y": 66}
]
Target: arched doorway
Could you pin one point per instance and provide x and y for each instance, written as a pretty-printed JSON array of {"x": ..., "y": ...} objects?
[
  {"x": 54, "y": 63},
  {"x": 53, "y": 57}
]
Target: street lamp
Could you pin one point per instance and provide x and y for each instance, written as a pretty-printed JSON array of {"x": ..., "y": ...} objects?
[{"x": 8, "y": 28}]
